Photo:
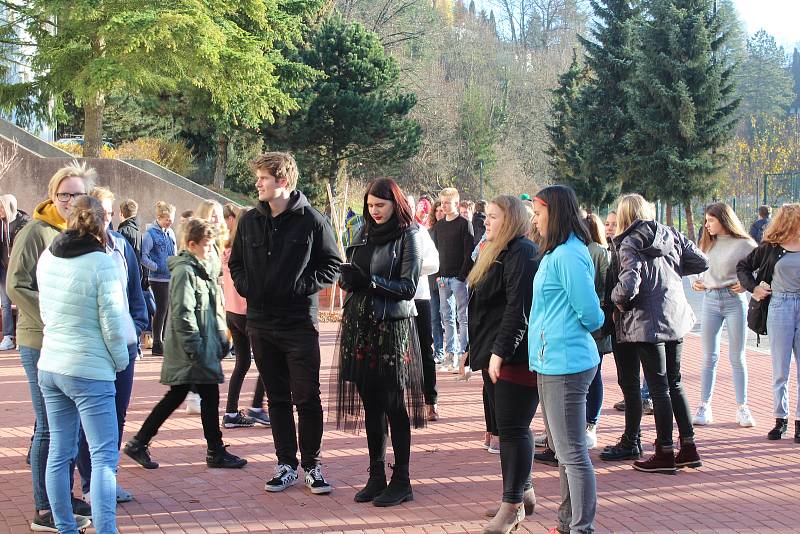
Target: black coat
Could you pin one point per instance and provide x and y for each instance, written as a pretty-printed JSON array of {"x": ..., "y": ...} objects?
[
  {"x": 500, "y": 305},
  {"x": 280, "y": 264},
  {"x": 14, "y": 227},
  {"x": 129, "y": 228},
  {"x": 761, "y": 261},
  {"x": 394, "y": 274},
  {"x": 652, "y": 259},
  {"x": 478, "y": 226}
]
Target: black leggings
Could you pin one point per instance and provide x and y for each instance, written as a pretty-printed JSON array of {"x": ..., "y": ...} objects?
[
  {"x": 209, "y": 408},
  {"x": 423, "y": 320},
  {"x": 161, "y": 296},
  {"x": 237, "y": 324},
  {"x": 661, "y": 363},
  {"x": 515, "y": 406},
  {"x": 488, "y": 404},
  {"x": 381, "y": 405}
]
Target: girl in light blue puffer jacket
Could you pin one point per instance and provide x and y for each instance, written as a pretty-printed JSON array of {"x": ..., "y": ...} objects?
[{"x": 87, "y": 330}]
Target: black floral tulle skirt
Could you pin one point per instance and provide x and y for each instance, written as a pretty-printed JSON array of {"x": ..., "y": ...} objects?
[{"x": 374, "y": 354}]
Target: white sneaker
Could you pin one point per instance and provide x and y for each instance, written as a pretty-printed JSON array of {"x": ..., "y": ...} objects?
[
  {"x": 456, "y": 370},
  {"x": 703, "y": 415},
  {"x": 192, "y": 403},
  {"x": 540, "y": 440},
  {"x": 591, "y": 436},
  {"x": 744, "y": 417},
  {"x": 7, "y": 343}
]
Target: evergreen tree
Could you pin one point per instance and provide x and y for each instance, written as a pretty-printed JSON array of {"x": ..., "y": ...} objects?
[
  {"x": 765, "y": 83},
  {"x": 604, "y": 117},
  {"x": 681, "y": 101},
  {"x": 565, "y": 150},
  {"x": 795, "y": 107}
]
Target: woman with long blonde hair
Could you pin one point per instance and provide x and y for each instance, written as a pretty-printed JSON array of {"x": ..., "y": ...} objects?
[
  {"x": 211, "y": 211},
  {"x": 501, "y": 286},
  {"x": 776, "y": 290},
  {"x": 725, "y": 242}
]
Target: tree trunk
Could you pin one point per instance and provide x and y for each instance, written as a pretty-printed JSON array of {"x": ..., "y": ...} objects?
[
  {"x": 93, "y": 108},
  {"x": 221, "y": 166},
  {"x": 687, "y": 206},
  {"x": 337, "y": 169},
  {"x": 669, "y": 213}
]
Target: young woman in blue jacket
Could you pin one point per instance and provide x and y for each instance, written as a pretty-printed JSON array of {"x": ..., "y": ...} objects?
[{"x": 564, "y": 314}]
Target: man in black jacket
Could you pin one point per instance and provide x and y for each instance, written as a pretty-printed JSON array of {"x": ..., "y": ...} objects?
[
  {"x": 284, "y": 253},
  {"x": 479, "y": 221},
  {"x": 129, "y": 227}
]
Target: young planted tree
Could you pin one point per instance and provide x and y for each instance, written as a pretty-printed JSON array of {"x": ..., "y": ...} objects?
[
  {"x": 223, "y": 48},
  {"x": 681, "y": 101}
]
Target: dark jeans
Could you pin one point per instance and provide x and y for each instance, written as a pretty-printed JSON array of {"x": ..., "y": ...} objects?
[
  {"x": 237, "y": 324},
  {"x": 288, "y": 361},
  {"x": 488, "y": 404},
  {"x": 382, "y": 405},
  {"x": 423, "y": 321},
  {"x": 124, "y": 387},
  {"x": 594, "y": 399},
  {"x": 515, "y": 406},
  {"x": 161, "y": 295},
  {"x": 661, "y": 363},
  {"x": 209, "y": 413}
]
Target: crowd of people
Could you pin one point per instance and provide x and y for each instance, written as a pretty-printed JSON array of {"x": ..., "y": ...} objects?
[{"x": 532, "y": 292}]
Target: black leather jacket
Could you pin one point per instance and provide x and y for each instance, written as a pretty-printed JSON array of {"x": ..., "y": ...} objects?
[{"x": 394, "y": 274}]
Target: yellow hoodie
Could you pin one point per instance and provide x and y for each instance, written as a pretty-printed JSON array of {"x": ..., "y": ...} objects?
[{"x": 47, "y": 212}]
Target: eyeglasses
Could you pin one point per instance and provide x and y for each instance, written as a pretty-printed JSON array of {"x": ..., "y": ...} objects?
[{"x": 66, "y": 197}]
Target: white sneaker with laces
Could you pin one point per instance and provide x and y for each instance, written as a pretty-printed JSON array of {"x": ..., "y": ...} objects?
[
  {"x": 7, "y": 343},
  {"x": 703, "y": 415},
  {"x": 316, "y": 482},
  {"x": 591, "y": 436},
  {"x": 284, "y": 477},
  {"x": 744, "y": 417},
  {"x": 192, "y": 403}
]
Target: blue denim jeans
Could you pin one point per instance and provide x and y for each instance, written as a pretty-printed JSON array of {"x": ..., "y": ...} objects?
[
  {"x": 123, "y": 386},
  {"x": 450, "y": 288},
  {"x": 723, "y": 305},
  {"x": 437, "y": 331},
  {"x": 41, "y": 435},
  {"x": 73, "y": 403},
  {"x": 783, "y": 326},
  {"x": 8, "y": 314},
  {"x": 563, "y": 401}
]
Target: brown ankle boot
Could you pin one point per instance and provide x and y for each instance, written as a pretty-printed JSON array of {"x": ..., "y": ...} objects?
[
  {"x": 687, "y": 456},
  {"x": 508, "y": 518},
  {"x": 663, "y": 461},
  {"x": 528, "y": 501}
]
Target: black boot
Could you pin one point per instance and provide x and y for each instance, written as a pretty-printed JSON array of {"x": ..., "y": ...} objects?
[
  {"x": 139, "y": 452},
  {"x": 780, "y": 430},
  {"x": 797, "y": 431},
  {"x": 375, "y": 484},
  {"x": 219, "y": 457},
  {"x": 625, "y": 449},
  {"x": 399, "y": 489}
]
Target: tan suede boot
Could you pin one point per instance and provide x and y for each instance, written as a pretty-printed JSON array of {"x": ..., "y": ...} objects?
[{"x": 507, "y": 520}]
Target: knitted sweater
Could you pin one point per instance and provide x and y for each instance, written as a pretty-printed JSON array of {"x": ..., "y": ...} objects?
[{"x": 722, "y": 258}]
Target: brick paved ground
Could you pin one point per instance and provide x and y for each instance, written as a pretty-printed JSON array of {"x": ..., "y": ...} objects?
[{"x": 746, "y": 485}]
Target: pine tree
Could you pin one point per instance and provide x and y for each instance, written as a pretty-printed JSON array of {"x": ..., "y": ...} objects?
[
  {"x": 564, "y": 150},
  {"x": 681, "y": 101},
  {"x": 765, "y": 84},
  {"x": 605, "y": 119}
]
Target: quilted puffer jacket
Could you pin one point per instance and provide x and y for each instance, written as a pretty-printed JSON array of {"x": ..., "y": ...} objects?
[{"x": 87, "y": 325}]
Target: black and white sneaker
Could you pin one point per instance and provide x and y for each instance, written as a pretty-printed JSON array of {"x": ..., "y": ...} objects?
[
  {"x": 259, "y": 416},
  {"x": 316, "y": 482},
  {"x": 45, "y": 522},
  {"x": 284, "y": 477},
  {"x": 237, "y": 421}
]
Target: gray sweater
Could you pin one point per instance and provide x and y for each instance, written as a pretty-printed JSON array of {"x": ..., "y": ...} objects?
[{"x": 723, "y": 256}]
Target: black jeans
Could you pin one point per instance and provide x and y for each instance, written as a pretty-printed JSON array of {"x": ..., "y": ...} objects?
[
  {"x": 209, "y": 413},
  {"x": 514, "y": 405},
  {"x": 288, "y": 360},
  {"x": 237, "y": 324},
  {"x": 661, "y": 363},
  {"x": 488, "y": 404},
  {"x": 382, "y": 405},
  {"x": 423, "y": 321},
  {"x": 161, "y": 296}
]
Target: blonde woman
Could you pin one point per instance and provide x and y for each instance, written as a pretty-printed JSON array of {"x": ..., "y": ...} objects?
[
  {"x": 652, "y": 316},
  {"x": 776, "y": 287},
  {"x": 725, "y": 242},
  {"x": 211, "y": 211},
  {"x": 158, "y": 244},
  {"x": 501, "y": 285}
]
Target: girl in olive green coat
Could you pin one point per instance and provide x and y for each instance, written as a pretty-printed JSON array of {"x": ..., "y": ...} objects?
[{"x": 194, "y": 345}]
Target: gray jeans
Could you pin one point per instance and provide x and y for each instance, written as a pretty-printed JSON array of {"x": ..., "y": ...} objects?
[{"x": 563, "y": 401}]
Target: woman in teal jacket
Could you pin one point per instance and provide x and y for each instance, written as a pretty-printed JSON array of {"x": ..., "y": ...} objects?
[{"x": 561, "y": 349}]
